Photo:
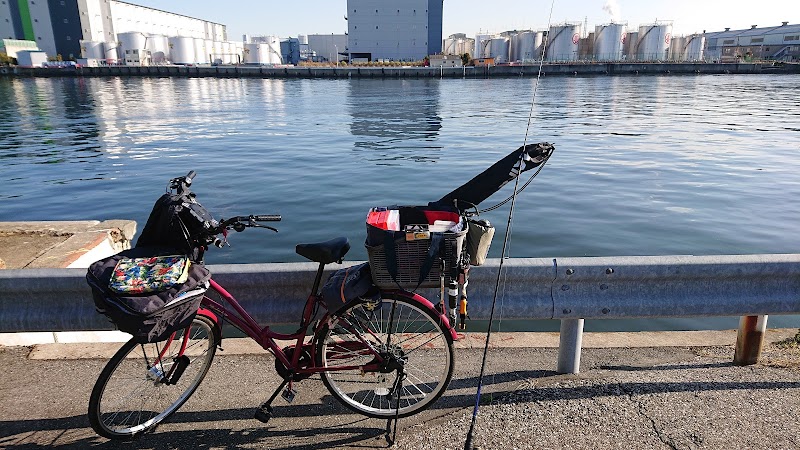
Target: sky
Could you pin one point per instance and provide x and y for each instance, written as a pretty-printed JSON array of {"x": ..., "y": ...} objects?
[{"x": 289, "y": 19}]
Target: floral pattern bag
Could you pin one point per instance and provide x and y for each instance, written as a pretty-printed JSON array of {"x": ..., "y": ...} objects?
[{"x": 150, "y": 274}]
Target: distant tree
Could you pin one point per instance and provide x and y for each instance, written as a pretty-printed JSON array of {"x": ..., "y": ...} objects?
[
  {"x": 466, "y": 58},
  {"x": 6, "y": 60}
]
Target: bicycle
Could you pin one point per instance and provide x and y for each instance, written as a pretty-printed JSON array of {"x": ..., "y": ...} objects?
[{"x": 388, "y": 356}]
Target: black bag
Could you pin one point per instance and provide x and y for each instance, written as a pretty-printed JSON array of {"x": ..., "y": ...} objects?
[
  {"x": 348, "y": 284},
  {"x": 149, "y": 317},
  {"x": 179, "y": 222}
]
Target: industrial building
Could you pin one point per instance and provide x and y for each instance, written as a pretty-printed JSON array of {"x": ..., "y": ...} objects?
[
  {"x": 328, "y": 47},
  {"x": 394, "y": 30},
  {"x": 73, "y": 28},
  {"x": 781, "y": 43}
]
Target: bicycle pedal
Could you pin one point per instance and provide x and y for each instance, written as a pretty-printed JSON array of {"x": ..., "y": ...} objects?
[
  {"x": 263, "y": 414},
  {"x": 288, "y": 394}
]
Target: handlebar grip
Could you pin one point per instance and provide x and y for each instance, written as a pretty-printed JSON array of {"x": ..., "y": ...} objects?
[
  {"x": 267, "y": 218},
  {"x": 189, "y": 177}
]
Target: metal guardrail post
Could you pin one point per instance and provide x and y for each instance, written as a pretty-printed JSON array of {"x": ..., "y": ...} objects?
[
  {"x": 569, "y": 346},
  {"x": 749, "y": 340}
]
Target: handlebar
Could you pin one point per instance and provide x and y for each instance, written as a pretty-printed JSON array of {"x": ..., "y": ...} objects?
[{"x": 181, "y": 186}]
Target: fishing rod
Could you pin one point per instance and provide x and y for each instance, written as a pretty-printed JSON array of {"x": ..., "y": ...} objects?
[{"x": 470, "y": 435}]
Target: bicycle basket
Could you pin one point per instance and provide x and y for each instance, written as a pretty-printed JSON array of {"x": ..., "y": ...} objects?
[
  {"x": 409, "y": 253},
  {"x": 148, "y": 316}
]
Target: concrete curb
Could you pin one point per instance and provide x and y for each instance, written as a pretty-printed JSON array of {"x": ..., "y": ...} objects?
[
  {"x": 54, "y": 244},
  {"x": 643, "y": 339}
]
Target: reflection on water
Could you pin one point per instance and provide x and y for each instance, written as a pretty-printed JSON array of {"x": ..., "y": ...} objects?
[
  {"x": 388, "y": 131},
  {"x": 643, "y": 165}
]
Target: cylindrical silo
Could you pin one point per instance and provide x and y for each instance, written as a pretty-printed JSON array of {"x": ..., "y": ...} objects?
[
  {"x": 524, "y": 47},
  {"x": 93, "y": 50},
  {"x": 676, "y": 47},
  {"x": 182, "y": 50},
  {"x": 693, "y": 49},
  {"x": 562, "y": 42},
  {"x": 654, "y": 42},
  {"x": 253, "y": 54},
  {"x": 629, "y": 45},
  {"x": 481, "y": 41},
  {"x": 272, "y": 50},
  {"x": 497, "y": 49},
  {"x": 131, "y": 41},
  {"x": 159, "y": 48},
  {"x": 110, "y": 52},
  {"x": 608, "y": 41}
]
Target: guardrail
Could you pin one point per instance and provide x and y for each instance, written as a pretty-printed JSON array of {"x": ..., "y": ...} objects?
[{"x": 568, "y": 289}]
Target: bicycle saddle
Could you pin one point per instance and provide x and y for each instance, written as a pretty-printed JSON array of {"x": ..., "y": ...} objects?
[{"x": 324, "y": 252}]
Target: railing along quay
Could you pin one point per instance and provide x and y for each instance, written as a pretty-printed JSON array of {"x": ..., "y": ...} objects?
[{"x": 571, "y": 290}]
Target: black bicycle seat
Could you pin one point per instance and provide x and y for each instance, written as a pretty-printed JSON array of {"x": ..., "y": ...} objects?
[{"x": 324, "y": 252}]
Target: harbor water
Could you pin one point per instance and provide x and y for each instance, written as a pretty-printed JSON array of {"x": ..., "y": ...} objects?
[{"x": 648, "y": 165}]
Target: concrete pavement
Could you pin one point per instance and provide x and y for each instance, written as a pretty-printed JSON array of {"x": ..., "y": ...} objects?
[{"x": 688, "y": 395}]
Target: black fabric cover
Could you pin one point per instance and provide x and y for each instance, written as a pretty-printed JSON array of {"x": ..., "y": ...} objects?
[
  {"x": 178, "y": 222},
  {"x": 491, "y": 180},
  {"x": 348, "y": 284},
  {"x": 144, "y": 316}
]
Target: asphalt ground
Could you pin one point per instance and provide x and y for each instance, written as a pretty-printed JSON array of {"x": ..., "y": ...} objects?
[{"x": 678, "y": 397}]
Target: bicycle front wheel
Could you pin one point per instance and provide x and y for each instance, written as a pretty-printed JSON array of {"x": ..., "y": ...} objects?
[
  {"x": 137, "y": 389},
  {"x": 408, "y": 346}
]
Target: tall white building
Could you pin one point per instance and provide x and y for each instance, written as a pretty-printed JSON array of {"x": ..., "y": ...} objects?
[{"x": 397, "y": 30}]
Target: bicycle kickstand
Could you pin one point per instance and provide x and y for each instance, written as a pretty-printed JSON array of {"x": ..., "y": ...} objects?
[
  {"x": 264, "y": 412},
  {"x": 398, "y": 389}
]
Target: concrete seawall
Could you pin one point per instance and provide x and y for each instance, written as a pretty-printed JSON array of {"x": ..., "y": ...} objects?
[{"x": 550, "y": 69}]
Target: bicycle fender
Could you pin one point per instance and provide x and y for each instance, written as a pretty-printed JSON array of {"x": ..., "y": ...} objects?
[
  {"x": 210, "y": 315},
  {"x": 427, "y": 304}
]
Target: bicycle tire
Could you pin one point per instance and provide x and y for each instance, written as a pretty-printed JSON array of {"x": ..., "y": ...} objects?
[
  {"x": 426, "y": 346},
  {"x": 131, "y": 395}
]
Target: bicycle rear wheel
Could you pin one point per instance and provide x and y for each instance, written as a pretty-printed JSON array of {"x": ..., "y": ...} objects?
[
  {"x": 409, "y": 337},
  {"x": 136, "y": 391}
]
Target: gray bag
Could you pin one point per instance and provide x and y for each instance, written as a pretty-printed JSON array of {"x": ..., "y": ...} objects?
[{"x": 479, "y": 238}]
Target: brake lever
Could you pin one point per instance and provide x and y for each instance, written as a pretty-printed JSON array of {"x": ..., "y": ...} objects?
[{"x": 253, "y": 223}]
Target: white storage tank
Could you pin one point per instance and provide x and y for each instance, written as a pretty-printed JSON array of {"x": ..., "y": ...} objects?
[
  {"x": 159, "y": 48},
  {"x": 562, "y": 42},
  {"x": 526, "y": 46},
  {"x": 481, "y": 41},
  {"x": 93, "y": 50},
  {"x": 110, "y": 51},
  {"x": 254, "y": 54},
  {"x": 608, "y": 41},
  {"x": 629, "y": 45},
  {"x": 654, "y": 42},
  {"x": 497, "y": 49},
  {"x": 273, "y": 50},
  {"x": 182, "y": 50},
  {"x": 693, "y": 49},
  {"x": 131, "y": 41},
  {"x": 676, "y": 48}
]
